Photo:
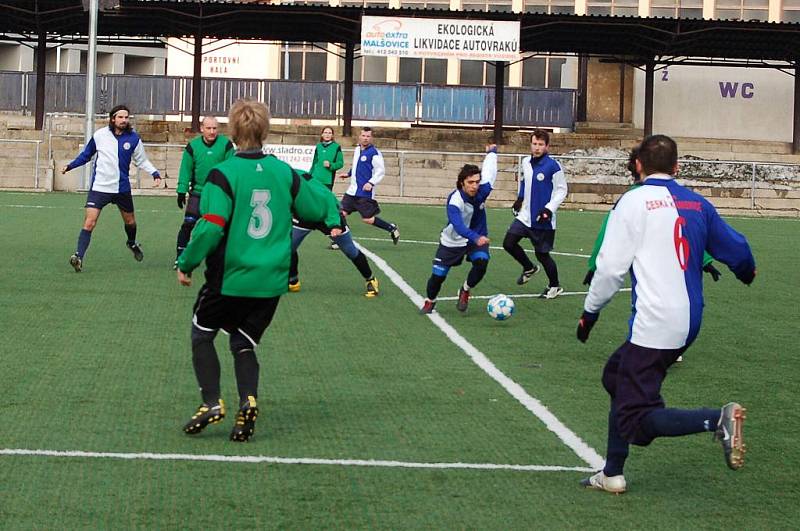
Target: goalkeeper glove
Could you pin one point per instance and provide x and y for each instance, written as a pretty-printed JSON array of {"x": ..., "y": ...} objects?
[
  {"x": 587, "y": 280},
  {"x": 544, "y": 215},
  {"x": 585, "y": 324},
  {"x": 713, "y": 271},
  {"x": 516, "y": 206},
  {"x": 748, "y": 277},
  {"x": 181, "y": 200}
]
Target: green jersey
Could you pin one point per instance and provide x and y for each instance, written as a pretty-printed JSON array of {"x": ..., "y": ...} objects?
[
  {"x": 707, "y": 258},
  {"x": 198, "y": 159},
  {"x": 245, "y": 229},
  {"x": 332, "y": 152}
]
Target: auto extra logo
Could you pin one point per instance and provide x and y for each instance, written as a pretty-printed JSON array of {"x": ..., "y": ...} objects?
[
  {"x": 440, "y": 38},
  {"x": 387, "y": 35}
]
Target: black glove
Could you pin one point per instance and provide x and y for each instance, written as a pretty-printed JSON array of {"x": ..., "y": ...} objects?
[
  {"x": 544, "y": 215},
  {"x": 181, "y": 200},
  {"x": 585, "y": 324},
  {"x": 713, "y": 271},
  {"x": 516, "y": 206},
  {"x": 587, "y": 280},
  {"x": 748, "y": 277}
]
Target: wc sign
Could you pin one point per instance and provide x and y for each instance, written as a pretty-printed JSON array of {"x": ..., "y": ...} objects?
[{"x": 729, "y": 89}]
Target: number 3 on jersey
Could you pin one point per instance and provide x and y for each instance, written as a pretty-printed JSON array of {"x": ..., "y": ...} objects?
[
  {"x": 681, "y": 243},
  {"x": 261, "y": 218}
]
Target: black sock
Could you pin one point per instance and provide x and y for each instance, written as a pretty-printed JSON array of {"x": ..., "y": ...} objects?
[
  {"x": 477, "y": 272},
  {"x": 293, "y": 266},
  {"x": 512, "y": 247},
  {"x": 381, "y": 224},
  {"x": 550, "y": 268},
  {"x": 434, "y": 285},
  {"x": 130, "y": 230},
  {"x": 246, "y": 366},
  {"x": 676, "y": 422},
  {"x": 183, "y": 238},
  {"x": 616, "y": 449},
  {"x": 361, "y": 263},
  {"x": 206, "y": 366},
  {"x": 84, "y": 238}
]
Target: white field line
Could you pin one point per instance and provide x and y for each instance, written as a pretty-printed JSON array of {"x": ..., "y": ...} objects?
[
  {"x": 520, "y": 295},
  {"x": 286, "y": 460},
  {"x": 495, "y": 247},
  {"x": 575, "y": 443}
]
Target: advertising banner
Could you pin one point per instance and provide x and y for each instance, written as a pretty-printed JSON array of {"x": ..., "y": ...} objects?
[
  {"x": 440, "y": 38},
  {"x": 296, "y": 156}
]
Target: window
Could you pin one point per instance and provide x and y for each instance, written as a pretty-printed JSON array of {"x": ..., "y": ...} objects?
[
  {"x": 743, "y": 9},
  {"x": 430, "y": 4},
  {"x": 677, "y": 8},
  {"x": 361, "y": 3},
  {"x": 497, "y": 5},
  {"x": 542, "y": 72},
  {"x": 306, "y": 62},
  {"x": 366, "y": 68},
  {"x": 790, "y": 11},
  {"x": 479, "y": 73},
  {"x": 415, "y": 70},
  {"x": 613, "y": 7},
  {"x": 550, "y": 6}
]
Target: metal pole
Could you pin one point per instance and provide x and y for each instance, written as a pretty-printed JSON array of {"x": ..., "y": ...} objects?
[
  {"x": 36, "y": 167},
  {"x": 499, "y": 97},
  {"x": 402, "y": 173},
  {"x": 197, "y": 76},
  {"x": 91, "y": 73},
  {"x": 649, "y": 74},
  {"x": 347, "y": 111},
  {"x": 753, "y": 188},
  {"x": 796, "y": 122},
  {"x": 583, "y": 83},
  {"x": 41, "y": 76}
]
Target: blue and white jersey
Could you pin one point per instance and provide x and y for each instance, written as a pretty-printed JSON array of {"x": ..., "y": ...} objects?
[
  {"x": 367, "y": 167},
  {"x": 543, "y": 185},
  {"x": 113, "y": 162},
  {"x": 658, "y": 232},
  {"x": 466, "y": 215}
]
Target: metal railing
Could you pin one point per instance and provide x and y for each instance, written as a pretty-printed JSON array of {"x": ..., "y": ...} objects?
[
  {"x": 395, "y": 102},
  {"x": 37, "y": 157}
]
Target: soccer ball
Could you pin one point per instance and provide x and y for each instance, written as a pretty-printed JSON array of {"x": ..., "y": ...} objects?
[{"x": 500, "y": 307}]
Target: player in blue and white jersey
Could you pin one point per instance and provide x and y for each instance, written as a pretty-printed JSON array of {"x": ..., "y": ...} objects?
[
  {"x": 466, "y": 233},
  {"x": 113, "y": 148},
  {"x": 541, "y": 191},
  {"x": 658, "y": 232},
  {"x": 367, "y": 171}
]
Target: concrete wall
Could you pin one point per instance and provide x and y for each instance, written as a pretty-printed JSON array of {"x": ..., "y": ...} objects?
[
  {"x": 604, "y": 92},
  {"x": 720, "y": 102}
]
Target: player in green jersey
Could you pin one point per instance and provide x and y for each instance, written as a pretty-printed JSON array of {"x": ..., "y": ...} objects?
[
  {"x": 200, "y": 155},
  {"x": 244, "y": 235}
]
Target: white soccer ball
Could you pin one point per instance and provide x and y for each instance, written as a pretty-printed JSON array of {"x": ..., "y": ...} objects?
[{"x": 500, "y": 307}]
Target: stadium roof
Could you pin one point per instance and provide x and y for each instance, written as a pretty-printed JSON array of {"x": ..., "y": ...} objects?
[{"x": 594, "y": 35}]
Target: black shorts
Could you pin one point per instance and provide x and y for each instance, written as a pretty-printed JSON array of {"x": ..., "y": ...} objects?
[
  {"x": 453, "y": 256},
  {"x": 98, "y": 200},
  {"x": 365, "y": 206},
  {"x": 542, "y": 239},
  {"x": 633, "y": 376},
  {"x": 248, "y": 315},
  {"x": 192, "y": 208}
]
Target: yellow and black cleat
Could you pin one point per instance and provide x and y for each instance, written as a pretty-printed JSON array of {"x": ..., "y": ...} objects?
[
  {"x": 245, "y": 420},
  {"x": 206, "y": 414},
  {"x": 372, "y": 288}
]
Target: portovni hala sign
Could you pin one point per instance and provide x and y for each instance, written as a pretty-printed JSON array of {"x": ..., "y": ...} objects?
[{"x": 485, "y": 40}]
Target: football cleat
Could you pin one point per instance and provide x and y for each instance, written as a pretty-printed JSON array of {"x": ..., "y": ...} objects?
[
  {"x": 427, "y": 307},
  {"x": 206, "y": 414},
  {"x": 395, "y": 234},
  {"x": 136, "y": 249},
  {"x": 245, "y": 420},
  {"x": 729, "y": 434},
  {"x": 175, "y": 265},
  {"x": 372, "y": 288},
  {"x": 613, "y": 484},
  {"x": 76, "y": 262},
  {"x": 551, "y": 292},
  {"x": 526, "y": 275},
  {"x": 463, "y": 299},
  {"x": 294, "y": 287}
]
